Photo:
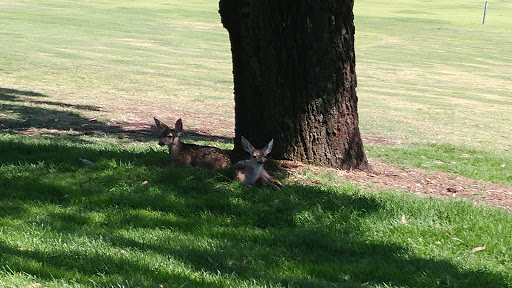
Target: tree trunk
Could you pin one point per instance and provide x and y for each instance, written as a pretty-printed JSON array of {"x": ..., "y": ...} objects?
[{"x": 294, "y": 79}]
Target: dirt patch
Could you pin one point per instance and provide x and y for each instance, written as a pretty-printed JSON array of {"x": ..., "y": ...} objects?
[
  {"x": 434, "y": 183},
  {"x": 376, "y": 140}
]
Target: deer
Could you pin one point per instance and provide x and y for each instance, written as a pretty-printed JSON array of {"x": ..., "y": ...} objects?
[
  {"x": 185, "y": 154},
  {"x": 251, "y": 172}
]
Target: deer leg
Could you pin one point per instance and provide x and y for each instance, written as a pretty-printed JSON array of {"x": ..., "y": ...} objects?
[{"x": 269, "y": 180}]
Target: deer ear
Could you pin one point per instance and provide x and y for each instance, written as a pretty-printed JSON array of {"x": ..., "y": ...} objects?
[
  {"x": 161, "y": 126},
  {"x": 166, "y": 132},
  {"x": 246, "y": 145},
  {"x": 268, "y": 147},
  {"x": 178, "y": 126}
]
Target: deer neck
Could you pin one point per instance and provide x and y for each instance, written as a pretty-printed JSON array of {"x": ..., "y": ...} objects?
[{"x": 175, "y": 146}]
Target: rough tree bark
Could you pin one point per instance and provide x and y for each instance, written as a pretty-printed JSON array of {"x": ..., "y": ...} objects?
[{"x": 294, "y": 79}]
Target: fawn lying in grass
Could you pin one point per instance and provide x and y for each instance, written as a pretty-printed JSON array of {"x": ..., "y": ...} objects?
[
  {"x": 251, "y": 172},
  {"x": 183, "y": 154}
]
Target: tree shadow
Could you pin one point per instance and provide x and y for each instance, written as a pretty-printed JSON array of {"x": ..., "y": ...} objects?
[
  {"x": 30, "y": 113},
  {"x": 11, "y": 94},
  {"x": 328, "y": 254},
  {"x": 202, "y": 136},
  {"x": 251, "y": 235},
  {"x": 79, "y": 267}
]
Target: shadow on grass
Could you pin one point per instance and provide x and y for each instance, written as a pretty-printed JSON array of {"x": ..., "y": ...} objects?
[
  {"x": 195, "y": 222},
  {"x": 32, "y": 113},
  {"x": 108, "y": 269},
  {"x": 11, "y": 94}
]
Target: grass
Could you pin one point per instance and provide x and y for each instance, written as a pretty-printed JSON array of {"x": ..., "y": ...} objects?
[
  {"x": 451, "y": 74},
  {"x": 472, "y": 163},
  {"x": 72, "y": 74},
  {"x": 132, "y": 221},
  {"x": 144, "y": 55}
]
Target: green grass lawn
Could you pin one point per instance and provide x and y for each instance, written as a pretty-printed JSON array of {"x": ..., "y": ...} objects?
[
  {"x": 431, "y": 73},
  {"x": 147, "y": 56},
  {"x": 430, "y": 76},
  {"x": 131, "y": 221}
]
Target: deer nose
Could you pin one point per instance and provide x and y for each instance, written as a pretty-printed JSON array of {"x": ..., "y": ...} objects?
[
  {"x": 161, "y": 143},
  {"x": 260, "y": 162}
]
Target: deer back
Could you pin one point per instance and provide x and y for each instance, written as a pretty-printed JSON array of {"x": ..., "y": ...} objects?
[
  {"x": 184, "y": 154},
  {"x": 203, "y": 156}
]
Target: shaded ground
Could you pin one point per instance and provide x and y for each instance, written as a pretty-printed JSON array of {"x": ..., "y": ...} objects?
[{"x": 36, "y": 115}]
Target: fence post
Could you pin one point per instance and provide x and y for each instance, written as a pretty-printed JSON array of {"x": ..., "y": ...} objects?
[{"x": 485, "y": 12}]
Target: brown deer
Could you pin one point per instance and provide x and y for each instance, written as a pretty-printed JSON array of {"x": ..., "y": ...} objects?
[
  {"x": 251, "y": 172},
  {"x": 184, "y": 154}
]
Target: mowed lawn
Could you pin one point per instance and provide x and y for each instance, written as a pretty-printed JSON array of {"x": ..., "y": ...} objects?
[
  {"x": 432, "y": 80},
  {"x": 432, "y": 77}
]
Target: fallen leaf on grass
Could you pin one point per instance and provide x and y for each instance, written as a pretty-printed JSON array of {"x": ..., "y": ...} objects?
[
  {"x": 144, "y": 182},
  {"x": 457, "y": 239},
  {"x": 476, "y": 249},
  {"x": 34, "y": 285},
  {"x": 86, "y": 162}
]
